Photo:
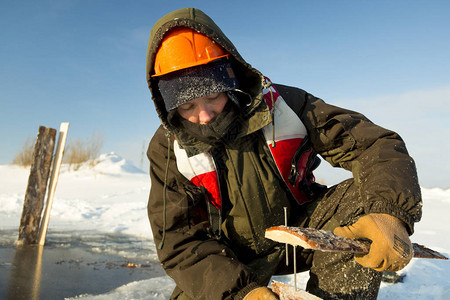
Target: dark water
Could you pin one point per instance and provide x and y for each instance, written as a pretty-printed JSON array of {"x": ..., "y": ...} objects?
[{"x": 72, "y": 264}]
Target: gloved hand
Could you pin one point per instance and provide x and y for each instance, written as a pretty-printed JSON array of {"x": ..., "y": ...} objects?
[
  {"x": 391, "y": 249},
  {"x": 261, "y": 293}
]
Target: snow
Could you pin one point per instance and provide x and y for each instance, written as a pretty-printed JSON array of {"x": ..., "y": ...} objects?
[{"x": 111, "y": 198}]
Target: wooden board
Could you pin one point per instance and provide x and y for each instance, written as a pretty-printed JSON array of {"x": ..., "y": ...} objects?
[
  {"x": 37, "y": 186},
  {"x": 323, "y": 240},
  {"x": 287, "y": 292},
  {"x": 64, "y": 127},
  {"x": 424, "y": 252}
]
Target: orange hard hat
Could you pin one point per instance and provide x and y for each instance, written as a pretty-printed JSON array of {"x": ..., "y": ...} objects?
[{"x": 183, "y": 48}]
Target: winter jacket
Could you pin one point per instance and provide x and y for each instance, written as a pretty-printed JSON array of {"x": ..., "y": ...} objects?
[{"x": 206, "y": 266}]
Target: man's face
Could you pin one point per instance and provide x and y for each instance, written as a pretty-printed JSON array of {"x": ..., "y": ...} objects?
[{"x": 203, "y": 110}]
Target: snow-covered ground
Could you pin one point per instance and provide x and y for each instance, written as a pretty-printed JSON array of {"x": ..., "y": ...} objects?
[{"x": 112, "y": 198}]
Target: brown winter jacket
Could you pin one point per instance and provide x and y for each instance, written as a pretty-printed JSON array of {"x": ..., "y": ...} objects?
[{"x": 207, "y": 267}]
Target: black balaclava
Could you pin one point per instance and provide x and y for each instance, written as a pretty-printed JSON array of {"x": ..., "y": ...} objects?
[{"x": 222, "y": 129}]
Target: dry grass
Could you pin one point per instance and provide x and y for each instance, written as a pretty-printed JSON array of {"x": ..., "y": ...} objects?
[
  {"x": 25, "y": 157},
  {"x": 79, "y": 152}
]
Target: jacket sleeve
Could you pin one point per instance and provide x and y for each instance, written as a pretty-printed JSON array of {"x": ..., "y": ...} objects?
[
  {"x": 202, "y": 267},
  {"x": 384, "y": 172}
]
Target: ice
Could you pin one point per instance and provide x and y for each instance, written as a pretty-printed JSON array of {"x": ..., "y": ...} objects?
[{"x": 158, "y": 288}]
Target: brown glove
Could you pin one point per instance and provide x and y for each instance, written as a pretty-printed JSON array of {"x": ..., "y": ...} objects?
[
  {"x": 261, "y": 293},
  {"x": 391, "y": 249}
]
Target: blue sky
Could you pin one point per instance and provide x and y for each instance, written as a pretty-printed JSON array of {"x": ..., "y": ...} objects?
[{"x": 83, "y": 62}]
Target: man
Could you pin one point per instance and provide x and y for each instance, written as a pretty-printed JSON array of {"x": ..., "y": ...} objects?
[{"x": 235, "y": 150}]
